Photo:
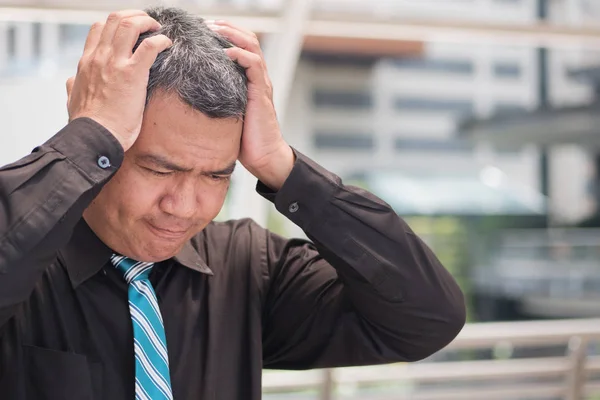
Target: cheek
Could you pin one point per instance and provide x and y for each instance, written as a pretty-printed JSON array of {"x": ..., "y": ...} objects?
[
  {"x": 212, "y": 201},
  {"x": 137, "y": 196}
]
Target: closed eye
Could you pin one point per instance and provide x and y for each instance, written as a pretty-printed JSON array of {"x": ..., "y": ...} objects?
[
  {"x": 220, "y": 178},
  {"x": 157, "y": 173}
]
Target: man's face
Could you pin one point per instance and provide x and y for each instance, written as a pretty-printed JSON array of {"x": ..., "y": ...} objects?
[{"x": 171, "y": 184}]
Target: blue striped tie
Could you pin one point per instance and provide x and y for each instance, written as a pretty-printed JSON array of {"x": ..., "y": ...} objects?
[{"x": 152, "y": 381}]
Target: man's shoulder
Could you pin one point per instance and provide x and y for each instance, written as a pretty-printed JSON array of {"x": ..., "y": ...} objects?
[
  {"x": 231, "y": 227},
  {"x": 230, "y": 246},
  {"x": 229, "y": 234}
]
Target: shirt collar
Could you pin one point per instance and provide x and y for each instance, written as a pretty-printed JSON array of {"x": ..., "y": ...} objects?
[
  {"x": 189, "y": 256},
  {"x": 85, "y": 255}
]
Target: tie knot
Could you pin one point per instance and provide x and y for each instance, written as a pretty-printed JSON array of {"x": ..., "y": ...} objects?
[{"x": 132, "y": 270}]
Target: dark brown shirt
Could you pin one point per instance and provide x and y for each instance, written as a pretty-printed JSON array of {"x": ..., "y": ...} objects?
[{"x": 235, "y": 300}]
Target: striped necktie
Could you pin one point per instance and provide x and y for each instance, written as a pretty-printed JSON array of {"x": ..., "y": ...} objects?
[{"x": 152, "y": 380}]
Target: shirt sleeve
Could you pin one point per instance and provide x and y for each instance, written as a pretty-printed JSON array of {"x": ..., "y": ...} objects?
[
  {"x": 43, "y": 196},
  {"x": 364, "y": 290}
]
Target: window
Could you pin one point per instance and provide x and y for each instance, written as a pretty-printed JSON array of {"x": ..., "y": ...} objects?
[
  {"x": 335, "y": 140},
  {"x": 343, "y": 99},
  {"x": 11, "y": 38},
  {"x": 339, "y": 60},
  {"x": 454, "y": 145},
  {"x": 460, "y": 67},
  {"x": 507, "y": 70},
  {"x": 507, "y": 108},
  {"x": 421, "y": 104},
  {"x": 37, "y": 39},
  {"x": 73, "y": 34}
]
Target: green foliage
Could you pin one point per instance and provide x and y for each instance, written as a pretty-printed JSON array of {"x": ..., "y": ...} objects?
[{"x": 448, "y": 237}]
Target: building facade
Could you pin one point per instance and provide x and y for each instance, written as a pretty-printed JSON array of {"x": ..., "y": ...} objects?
[{"x": 362, "y": 114}]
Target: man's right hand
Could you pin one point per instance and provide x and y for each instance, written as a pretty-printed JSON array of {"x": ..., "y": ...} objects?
[{"x": 111, "y": 82}]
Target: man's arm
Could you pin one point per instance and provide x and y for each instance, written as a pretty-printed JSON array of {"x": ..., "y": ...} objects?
[
  {"x": 42, "y": 196},
  {"x": 368, "y": 291}
]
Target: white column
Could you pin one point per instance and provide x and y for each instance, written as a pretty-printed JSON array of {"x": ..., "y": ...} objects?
[
  {"x": 575, "y": 12},
  {"x": 282, "y": 52},
  {"x": 50, "y": 40},
  {"x": 575, "y": 18},
  {"x": 244, "y": 201},
  {"x": 49, "y": 48},
  {"x": 3, "y": 46},
  {"x": 298, "y": 125},
  {"x": 23, "y": 42},
  {"x": 298, "y": 129},
  {"x": 484, "y": 98},
  {"x": 383, "y": 112}
]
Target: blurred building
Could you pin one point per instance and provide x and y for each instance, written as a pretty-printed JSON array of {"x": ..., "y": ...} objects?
[
  {"x": 361, "y": 106},
  {"x": 567, "y": 172},
  {"x": 435, "y": 127}
]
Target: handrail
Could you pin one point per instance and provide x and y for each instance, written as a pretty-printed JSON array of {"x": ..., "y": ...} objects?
[
  {"x": 569, "y": 377},
  {"x": 525, "y": 333}
]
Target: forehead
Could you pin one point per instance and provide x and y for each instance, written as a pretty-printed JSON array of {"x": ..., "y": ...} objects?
[{"x": 175, "y": 130}]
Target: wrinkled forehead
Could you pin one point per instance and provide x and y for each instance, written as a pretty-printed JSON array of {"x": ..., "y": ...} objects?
[
  {"x": 167, "y": 118},
  {"x": 175, "y": 132}
]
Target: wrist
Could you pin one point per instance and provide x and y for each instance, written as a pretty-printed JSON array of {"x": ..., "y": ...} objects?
[{"x": 275, "y": 171}]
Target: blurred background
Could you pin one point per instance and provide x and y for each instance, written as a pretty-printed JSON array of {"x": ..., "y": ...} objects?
[{"x": 477, "y": 120}]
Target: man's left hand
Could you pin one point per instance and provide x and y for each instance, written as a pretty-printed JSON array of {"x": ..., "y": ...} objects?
[{"x": 263, "y": 152}]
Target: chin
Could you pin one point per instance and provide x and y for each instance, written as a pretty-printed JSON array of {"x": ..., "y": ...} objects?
[
  {"x": 158, "y": 254},
  {"x": 157, "y": 251},
  {"x": 150, "y": 251}
]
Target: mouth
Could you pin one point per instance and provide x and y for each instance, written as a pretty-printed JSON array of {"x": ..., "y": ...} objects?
[{"x": 168, "y": 234}]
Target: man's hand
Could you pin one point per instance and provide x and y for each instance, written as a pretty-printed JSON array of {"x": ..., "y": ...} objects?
[
  {"x": 111, "y": 82},
  {"x": 264, "y": 152}
]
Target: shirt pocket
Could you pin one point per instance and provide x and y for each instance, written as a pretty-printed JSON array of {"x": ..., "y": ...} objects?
[{"x": 56, "y": 375}]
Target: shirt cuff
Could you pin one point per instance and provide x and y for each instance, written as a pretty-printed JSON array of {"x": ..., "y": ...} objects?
[
  {"x": 92, "y": 148},
  {"x": 305, "y": 193}
]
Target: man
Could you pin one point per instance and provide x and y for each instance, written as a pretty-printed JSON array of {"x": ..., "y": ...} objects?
[{"x": 115, "y": 283}]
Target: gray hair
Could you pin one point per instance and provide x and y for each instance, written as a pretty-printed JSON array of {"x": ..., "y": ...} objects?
[{"x": 196, "y": 67}]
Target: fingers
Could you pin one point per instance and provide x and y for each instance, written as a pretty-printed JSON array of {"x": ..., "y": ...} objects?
[
  {"x": 93, "y": 38},
  {"x": 148, "y": 50},
  {"x": 247, "y": 52},
  {"x": 119, "y": 35},
  {"x": 128, "y": 32},
  {"x": 228, "y": 24},
  {"x": 112, "y": 24},
  {"x": 240, "y": 38},
  {"x": 256, "y": 70},
  {"x": 69, "y": 85}
]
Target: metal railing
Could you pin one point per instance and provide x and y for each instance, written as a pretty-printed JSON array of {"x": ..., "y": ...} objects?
[
  {"x": 542, "y": 360},
  {"x": 542, "y": 262}
]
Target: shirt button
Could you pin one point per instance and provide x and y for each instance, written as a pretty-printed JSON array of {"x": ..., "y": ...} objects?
[
  {"x": 294, "y": 207},
  {"x": 103, "y": 162}
]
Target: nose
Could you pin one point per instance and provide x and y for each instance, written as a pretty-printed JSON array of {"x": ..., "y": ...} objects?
[{"x": 181, "y": 201}]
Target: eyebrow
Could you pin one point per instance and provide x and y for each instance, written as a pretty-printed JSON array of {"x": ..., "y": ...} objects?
[
  {"x": 225, "y": 171},
  {"x": 166, "y": 164}
]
